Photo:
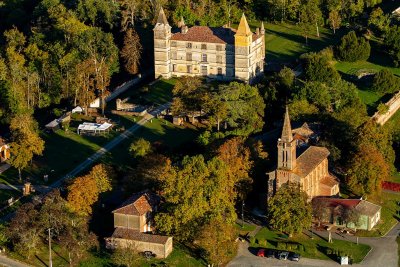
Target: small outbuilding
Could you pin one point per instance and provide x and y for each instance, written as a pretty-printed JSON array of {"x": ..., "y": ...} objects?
[{"x": 4, "y": 150}]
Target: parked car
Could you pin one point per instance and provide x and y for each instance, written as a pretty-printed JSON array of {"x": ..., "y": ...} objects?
[
  {"x": 270, "y": 253},
  {"x": 261, "y": 252},
  {"x": 148, "y": 254},
  {"x": 283, "y": 255},
  {"x": 294, "y": 256}
]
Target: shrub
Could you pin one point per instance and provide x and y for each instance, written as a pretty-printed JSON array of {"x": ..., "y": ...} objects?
[
  {"x": 252, "y": 240},
  {"x": 385, "y": 82},
  {"x": 281, "y": 245},
  {"x": 353, "y": 48},
  {"x": 382, "y": 108}
]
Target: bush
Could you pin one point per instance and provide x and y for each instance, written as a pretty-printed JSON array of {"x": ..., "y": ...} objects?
[
  {"x": 352, "y": 48},
  {"x": 281, "y": 245},
  {"x": 382, "y": 108},
  {"x": 385, "y": 82},
  {"x": 252, "y": 240}
]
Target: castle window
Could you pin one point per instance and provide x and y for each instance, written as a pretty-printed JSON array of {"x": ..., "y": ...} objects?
[
  {"x": 188, "y": 56},
  {"x": 174, "y": 67},
  {"x": 204, "y": 70},
  {"x": 188, "y": 45},
  {"x": 173, "y": 55},
  {"x": 189, "y": 68},
  {"x": 203, "y": 46},
  {"x": 173, "y": 44},
  {"x": 219, "y": 59},
  {"x": 204, "y": 57},
  {"x": 219, "y": 47},
  {"x": 219, "y": 71}
]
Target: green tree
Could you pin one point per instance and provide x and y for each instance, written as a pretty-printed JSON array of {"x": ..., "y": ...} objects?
[
  {"x": 245, "y": 108},
  {"x": 353, "y": 48},
  {"x": 319, "y": 67},
  {"x": 103, "y": 176},
  {"x": 385, "y": 82},
  {"x": 301, "y": 108},
  {"x": 126, "y": 256},
  {"x": 140, "y": 148},
  {"x": 98, "y": 12},
  {"x": 335, "y": 20},
  {"x": 378, "y": 20},
  {"x": 392, "y": 44},
  {"x": 289, "y": 210}
]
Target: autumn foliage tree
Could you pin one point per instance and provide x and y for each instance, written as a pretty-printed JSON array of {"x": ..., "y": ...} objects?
[
  {"x": 131, "y": 51},
  {"x": 84, "y": 191}
]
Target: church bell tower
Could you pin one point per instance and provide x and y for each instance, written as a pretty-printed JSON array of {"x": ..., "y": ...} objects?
[{"x": 286, "y": 146}]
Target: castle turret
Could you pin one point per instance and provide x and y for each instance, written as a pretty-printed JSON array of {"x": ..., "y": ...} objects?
[
  {"x": 243, "y": 41},
  {"x": 162, "y": 36},
  {"x": 287, "y": 146}
]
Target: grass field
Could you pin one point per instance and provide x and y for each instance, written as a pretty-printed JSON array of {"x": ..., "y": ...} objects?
[
  {"x": 353, "y": 67},
  {"x": 284, "y": 42},
  {"x": 315, "y": 248},
  {"x": 180, "y": 257}
]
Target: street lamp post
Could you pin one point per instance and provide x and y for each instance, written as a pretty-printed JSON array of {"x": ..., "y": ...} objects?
[
  {"x": 242, "y": 214},
  {"x": 50, "y": 259}
]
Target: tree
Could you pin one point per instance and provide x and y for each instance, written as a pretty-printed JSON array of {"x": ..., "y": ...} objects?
[
  {"x": 195, "y": 191},
  {"x": 319, "y": 209},
  {"x": 245, "y": 108},
  {"x": 82, "y": 194},
  {"x": 103, "y": 176},
  {"x": 131, "y": 51},
  {"x": 385, "y": 82},
  {"x": 367, "y": 171},
  {"x": 310, "y": 16},
  {"x": 289, "y": 210},
  {"x": 26, "y": 141},
  {"x": 189, "y": 94},
  {"x": 352, "y": 48},
  {"x": 98, "y": 12},
  {"x": 126, "y": 256},
  {"x": 286, "y": 78},
  {"x": 334, "y": 20},
  {"x": 392, "y": 44},
  {"x": 217, "y": 239},
  {"x": 140, "y": 148},
  {"x": 378, "y": 20},
  {"x": 319, "y": 67},
  {"x": 301, "y": 108}
]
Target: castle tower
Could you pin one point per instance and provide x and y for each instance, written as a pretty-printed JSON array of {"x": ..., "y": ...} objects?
[
  {"x": 286, "y": 146},
  {"x": 162, "y": 36},
  {"x": 243, "y": 41}
]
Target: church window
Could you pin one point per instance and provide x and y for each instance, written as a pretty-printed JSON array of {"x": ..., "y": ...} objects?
[
  {"x": 203, "y": 46},
  {"x": 188, "y": 45}
]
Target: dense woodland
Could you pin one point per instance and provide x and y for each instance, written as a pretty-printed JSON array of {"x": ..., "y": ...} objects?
[{"x": 66, "y": 53}]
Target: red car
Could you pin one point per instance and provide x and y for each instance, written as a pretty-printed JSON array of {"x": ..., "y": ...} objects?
[{"x": 261, "y": 252}]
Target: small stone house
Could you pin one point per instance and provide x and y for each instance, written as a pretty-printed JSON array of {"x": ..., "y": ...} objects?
[
  {"x": 369, "y": 213},
  {"x": 4, "y": 150},
  {"x": 133, "y": 223}
]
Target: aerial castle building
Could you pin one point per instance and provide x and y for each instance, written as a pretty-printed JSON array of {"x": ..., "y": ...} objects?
[
  {"x": 309, "y": 170},
  {"x": 222, "y": 53}
]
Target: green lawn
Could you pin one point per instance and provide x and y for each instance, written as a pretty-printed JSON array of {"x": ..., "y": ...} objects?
[
  {"x": 389, "y": 216},
  {"x": 284, "y": 42},
  {"x": 354, "y": 67},
  {"x": 368, "y": 97},
  {"x": 316, "y": 248},
  {"x": 180, "y": 257}
]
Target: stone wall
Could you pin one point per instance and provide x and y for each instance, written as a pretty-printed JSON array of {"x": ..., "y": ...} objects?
[{"x": 393, "y": 104}]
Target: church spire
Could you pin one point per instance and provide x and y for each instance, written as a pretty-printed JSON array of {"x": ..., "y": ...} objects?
[
  {"x": 243, "y": 28},
  {"x": 162, "y": 19},
  {"x": 262, "y": 31},
  {"x": 287, "y": 128}
]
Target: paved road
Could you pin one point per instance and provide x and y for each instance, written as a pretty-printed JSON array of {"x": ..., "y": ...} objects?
[
  {"x": 383, "y": 253},
  {"x": 7, "y": 262}
]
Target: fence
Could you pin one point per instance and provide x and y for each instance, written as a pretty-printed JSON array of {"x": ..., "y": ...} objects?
[{"x": 393, "y": 104}]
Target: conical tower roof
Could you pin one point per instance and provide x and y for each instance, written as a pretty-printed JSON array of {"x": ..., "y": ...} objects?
[
  {"x": 262, "y": 27},
  {"x": 243, "y": 28},
  {"x": 287, "y": 128},
  {"x": 162, "y": 19}
]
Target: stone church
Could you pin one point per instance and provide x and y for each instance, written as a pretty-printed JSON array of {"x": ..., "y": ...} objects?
[
  {"x": 309, "y": 169},
  {"x": 222, "y": 53}
]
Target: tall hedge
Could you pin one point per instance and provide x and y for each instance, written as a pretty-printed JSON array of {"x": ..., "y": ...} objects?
[{"x": 353, "y": 48}]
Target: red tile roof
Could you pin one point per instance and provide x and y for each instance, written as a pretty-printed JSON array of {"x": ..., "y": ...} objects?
[
  {"x": 334, "y": 202},
  {"x": 139, "y": 204},
  {"x": 207, "y": 35},
  {"x": 130, "y": 234},
  {"x": 329, "y": 181},
  {"x": 310, "y": 159}
]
